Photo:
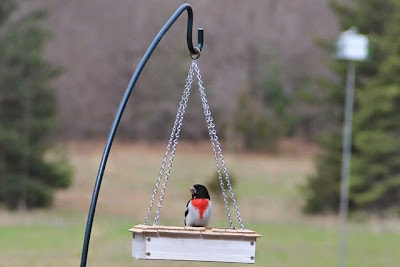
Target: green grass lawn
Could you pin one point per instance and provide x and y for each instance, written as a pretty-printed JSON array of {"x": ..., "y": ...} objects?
[
  {"x": 268, "y": 196},
  {"x": 55, "y": 239}
]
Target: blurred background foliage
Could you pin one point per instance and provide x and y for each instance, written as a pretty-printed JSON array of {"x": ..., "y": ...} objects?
[
  {"x": 28, "y": 114},
  {"x": 249, "y": 50},
  {"x": 268, "y": 70},
  {"x": 213, "y": 185}
]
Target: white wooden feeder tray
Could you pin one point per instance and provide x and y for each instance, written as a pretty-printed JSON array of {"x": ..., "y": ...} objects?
[{"x": 193, "y": 244}]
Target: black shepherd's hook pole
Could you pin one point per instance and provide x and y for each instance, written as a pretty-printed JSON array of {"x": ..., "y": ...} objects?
[{"x": 194, "y": 53}]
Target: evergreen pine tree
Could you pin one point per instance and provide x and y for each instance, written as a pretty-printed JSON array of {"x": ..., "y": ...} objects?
[
  {"x": 376, "y": 142},
  {"x": 30, "y": 169},
  {"x": 376, "y": 163}
]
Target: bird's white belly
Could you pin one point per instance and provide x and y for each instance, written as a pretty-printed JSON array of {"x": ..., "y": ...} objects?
[{"x": 193, "y": 218}]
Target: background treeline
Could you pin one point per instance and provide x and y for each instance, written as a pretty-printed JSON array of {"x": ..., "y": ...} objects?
[{"x": 255, "y": 48}]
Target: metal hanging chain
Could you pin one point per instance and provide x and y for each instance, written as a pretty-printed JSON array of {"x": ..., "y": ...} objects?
[
  {"x": 219, "y": 159},
  {"x": 210, "y": 127},
  {"x": 183, "y": 105},
  {"x": 213, "y": 138},
  {"x": 176, "y": 127},
  {"x": 217, "y": 150}
]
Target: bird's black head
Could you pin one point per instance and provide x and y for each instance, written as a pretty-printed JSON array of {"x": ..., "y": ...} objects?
[{"x": 199, "y": 191}]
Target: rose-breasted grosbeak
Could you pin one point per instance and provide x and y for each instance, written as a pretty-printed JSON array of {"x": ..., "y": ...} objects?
[{"x": 198, "y": 209}]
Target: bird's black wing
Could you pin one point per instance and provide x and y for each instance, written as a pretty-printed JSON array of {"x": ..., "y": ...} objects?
[{"x": 186, "y": 212}]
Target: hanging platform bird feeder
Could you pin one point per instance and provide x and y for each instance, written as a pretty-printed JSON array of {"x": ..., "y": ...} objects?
[
  {"x": 193, "y": 243},
  {"x": 234, "y": 245}
]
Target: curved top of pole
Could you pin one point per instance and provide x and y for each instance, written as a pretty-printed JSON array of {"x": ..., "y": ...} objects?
[
  {"x": 194, "y": 53},
  {"x": 189, "y": 39}
]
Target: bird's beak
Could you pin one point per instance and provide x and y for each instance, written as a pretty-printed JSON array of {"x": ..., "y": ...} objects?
[{"x": 192, "y": 190}]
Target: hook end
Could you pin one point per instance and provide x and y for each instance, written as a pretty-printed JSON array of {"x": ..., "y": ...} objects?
[{"x": 200, "y": 38}]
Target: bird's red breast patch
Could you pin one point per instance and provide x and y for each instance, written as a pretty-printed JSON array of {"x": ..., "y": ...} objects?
[{"x": 201, "y": 204}]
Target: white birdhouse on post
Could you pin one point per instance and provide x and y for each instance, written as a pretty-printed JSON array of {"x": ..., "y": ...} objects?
[{"x": 352, "y": 46}]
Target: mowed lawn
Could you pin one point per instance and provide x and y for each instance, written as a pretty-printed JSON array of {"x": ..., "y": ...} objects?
[{"x": 267, "y": 191}]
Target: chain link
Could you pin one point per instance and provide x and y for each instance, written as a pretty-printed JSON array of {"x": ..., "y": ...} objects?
[
  {"x": 178, "y": 120},
  {"x": 218, "y": 156}
]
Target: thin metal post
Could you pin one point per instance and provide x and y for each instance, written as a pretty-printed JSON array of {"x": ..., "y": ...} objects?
[
  {"x": 194, "y": 53},
  {"x": 346, "y": 153}
]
